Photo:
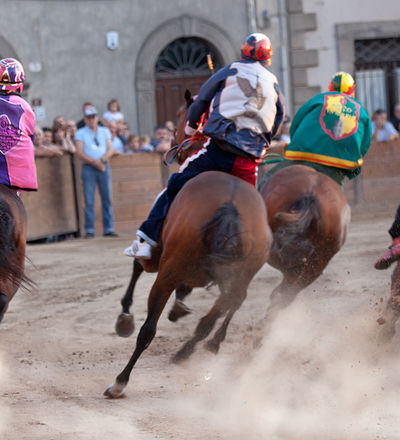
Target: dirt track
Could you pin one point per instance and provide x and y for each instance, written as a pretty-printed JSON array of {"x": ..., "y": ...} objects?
[{"x": 318, "y": 375}]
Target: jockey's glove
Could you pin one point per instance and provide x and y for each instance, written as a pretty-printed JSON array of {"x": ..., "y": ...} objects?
[{"x": 189, "y": 131}]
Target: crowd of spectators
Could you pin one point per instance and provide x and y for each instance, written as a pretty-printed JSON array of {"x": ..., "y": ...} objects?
[{"x": 60, "y": 137}]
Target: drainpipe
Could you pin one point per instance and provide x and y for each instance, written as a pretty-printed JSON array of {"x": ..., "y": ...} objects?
[
  {"x": 251, "y": 16},
  {"x": 284, "y": 52}
]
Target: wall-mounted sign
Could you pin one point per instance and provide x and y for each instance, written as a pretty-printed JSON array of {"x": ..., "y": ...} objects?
[{"x": 112, "y": 40}]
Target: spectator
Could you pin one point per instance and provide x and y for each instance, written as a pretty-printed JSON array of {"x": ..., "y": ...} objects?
[
  {"x": 113, "y": 112},
  {"x": 115, "y": 140},
  {"x": 47, "y": 137},
  {"x": 93, "y": 147},
  {"x": 65, "y": 144},
  {"x": 58, "y": 122},
  {"x": 81, "y": 123},
  {"x": 161, "y": 139},
  {"x": 396, "y": 117},
  {"x": 382, "y": 130},
  {"x": 70, "y": 131},
  {"x": 133, "y": 144},
  {"x": 42, "y": 150},
  {"x": 144, "y": 143},
  {"x": 123, "y": 131},
  {"x": 171, "y": 127}
]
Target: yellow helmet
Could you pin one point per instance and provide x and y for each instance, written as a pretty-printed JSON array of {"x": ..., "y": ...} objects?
[{"x": 342, "y": 82}]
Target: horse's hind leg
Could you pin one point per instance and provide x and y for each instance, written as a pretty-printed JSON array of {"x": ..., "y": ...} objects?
[
  {"x": 237, "y": 299},
  {"x": 125, "y": 324},
  {"x": 180, "y": 309},
  {"x": 159, "y": 294},
  {"x": 203, "y": 329}
]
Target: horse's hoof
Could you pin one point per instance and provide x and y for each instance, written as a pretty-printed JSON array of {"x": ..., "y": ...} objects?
[
  {"x": 125, "y": 325},
  {"x": 179, "y": 310},
  {"x": 114, "y": 391},
  {"x": 212, "y": 346},
  {"x": 182, "y": 355}
]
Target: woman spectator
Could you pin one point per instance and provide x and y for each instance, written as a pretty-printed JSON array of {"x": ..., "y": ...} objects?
[{"x": 60, "y": 139}]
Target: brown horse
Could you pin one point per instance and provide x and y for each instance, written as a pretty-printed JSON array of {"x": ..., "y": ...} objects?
[
  {"x": 12, "y": 246},
  {"x": 392, "y": 311},
  {"x": 309, "y": 218},
  {"x": 216, "y": 231}
]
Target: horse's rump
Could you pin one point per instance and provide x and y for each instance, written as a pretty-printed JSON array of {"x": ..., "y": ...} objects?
[
  {"x": 292, "y": 236},
  {"x": 222, "y": 235},
  {"x": 308, "y": 215},
  {"x": 214, "y": 220}
]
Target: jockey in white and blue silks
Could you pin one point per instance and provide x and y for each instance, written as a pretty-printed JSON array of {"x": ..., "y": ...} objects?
[{"x": 246, "y": 109}]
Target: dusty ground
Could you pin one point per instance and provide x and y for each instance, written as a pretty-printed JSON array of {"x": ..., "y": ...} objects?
[{"x": 318, "y": 375}]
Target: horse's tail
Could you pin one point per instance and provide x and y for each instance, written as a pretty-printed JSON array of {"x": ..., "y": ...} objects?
[
  {"x": 222, "y": 235},
  {"x": 10, "y": 266},
  {"x": 292, "y": 236}
]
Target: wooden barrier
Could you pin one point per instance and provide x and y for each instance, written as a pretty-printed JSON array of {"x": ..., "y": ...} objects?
[
  {"x": 52, "y": 210},
  {"x": 136, "y": 181},
  {"x": 57, "y": 208},
  {"x": 380, "y": 176}
]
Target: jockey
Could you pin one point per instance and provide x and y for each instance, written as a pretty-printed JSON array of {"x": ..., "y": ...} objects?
[
  {"x": 331, "y": 132},
  {"x": 246, "y": 111},
  {"x": 17, "y": 126},
  {"x": 393, "y": 253}
]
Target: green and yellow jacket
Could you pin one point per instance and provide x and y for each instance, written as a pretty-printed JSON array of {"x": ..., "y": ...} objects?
[{"x": 331, "y": 129}]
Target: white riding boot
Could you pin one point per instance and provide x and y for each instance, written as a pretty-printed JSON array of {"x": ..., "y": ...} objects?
[{"x": 139, "y": 249}]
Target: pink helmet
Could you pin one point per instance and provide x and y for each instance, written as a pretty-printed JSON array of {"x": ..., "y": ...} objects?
[{"x": 12, "y": 75}]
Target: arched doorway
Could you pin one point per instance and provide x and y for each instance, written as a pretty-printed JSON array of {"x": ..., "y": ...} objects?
[{"x": 181, "y": 65}]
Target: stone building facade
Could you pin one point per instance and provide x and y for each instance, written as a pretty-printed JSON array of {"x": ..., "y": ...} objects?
[{"x": 94, "y": 50}]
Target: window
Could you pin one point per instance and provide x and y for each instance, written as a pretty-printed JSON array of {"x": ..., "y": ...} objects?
[
  {"x": 377, "y": 63},
  {"x": 186, "y": 57}
]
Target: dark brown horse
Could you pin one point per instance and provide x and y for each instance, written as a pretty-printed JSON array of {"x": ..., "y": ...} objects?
[
  {"x": 309, "y": 218},
  {"x": 392, "y": 310},
  {"x": 216, "y": 231},
  {"x": 12, "y": 246}
]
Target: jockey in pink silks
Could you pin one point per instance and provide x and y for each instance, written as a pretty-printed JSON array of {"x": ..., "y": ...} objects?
[{"x": 17, "y": 125}]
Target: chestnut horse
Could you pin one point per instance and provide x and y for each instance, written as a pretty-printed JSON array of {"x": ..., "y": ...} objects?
[
  {"x": 392, "y": 311},
  {"x": 309, "y": 218},
  {"x": 216, "y": 231},
  {"x": 12, "y": 246}
]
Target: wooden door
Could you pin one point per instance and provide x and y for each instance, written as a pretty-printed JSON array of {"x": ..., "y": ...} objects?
[{"x": 170, "y": 95}]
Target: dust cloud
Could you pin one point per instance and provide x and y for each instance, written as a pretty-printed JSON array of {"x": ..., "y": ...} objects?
[{"x": 309, "y": 380}]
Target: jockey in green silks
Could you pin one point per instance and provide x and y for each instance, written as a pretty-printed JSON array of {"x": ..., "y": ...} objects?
[{"x": 330, "y": 133}]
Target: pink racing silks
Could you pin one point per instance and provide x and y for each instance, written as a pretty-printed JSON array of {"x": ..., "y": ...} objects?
[{"x": 17, "y": 158}]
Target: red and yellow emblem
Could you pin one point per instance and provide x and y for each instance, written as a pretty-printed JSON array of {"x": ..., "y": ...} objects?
[{"x": 339, "y": 116}]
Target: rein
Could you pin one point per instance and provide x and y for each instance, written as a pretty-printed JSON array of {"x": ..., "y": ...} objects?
[{"x": 174, "y": 152}]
